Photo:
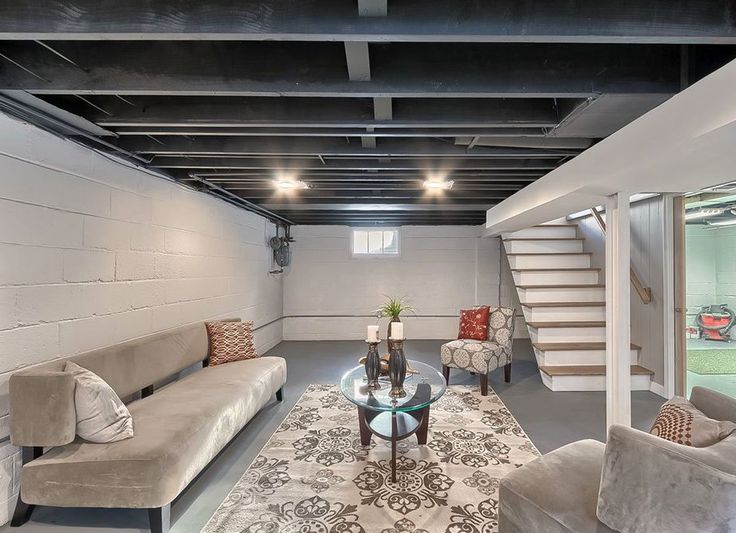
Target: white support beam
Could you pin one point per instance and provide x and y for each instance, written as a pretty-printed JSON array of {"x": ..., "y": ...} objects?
[
  {"x": 372, "y": 8},
  {"x": 358, "y": 59},
  {"x": 618, "y": 310}
]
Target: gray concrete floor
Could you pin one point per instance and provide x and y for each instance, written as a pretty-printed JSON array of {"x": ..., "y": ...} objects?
[{"x": 551, "y": 419}]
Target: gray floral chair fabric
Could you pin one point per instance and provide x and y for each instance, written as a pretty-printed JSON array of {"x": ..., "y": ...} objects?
[{"x": 483, "y": 357}]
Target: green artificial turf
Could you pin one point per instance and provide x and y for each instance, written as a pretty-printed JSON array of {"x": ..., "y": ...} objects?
[{"x": 716, "y": 361}]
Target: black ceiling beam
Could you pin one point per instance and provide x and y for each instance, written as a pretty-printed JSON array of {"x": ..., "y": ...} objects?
[
  {"x": 326, "y": 147},
  {"x": 637, "y": 21},
  {"x": 319, "y": 69},
  {"x": 239, "y": 164},
  {"x": 195, "y": 131},
  {"x": 428, "y": 163},
  {"x": 334, "y": 208},
  {"x": 268, "y": 112}
]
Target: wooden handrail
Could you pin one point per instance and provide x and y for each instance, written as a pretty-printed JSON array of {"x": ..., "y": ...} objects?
[{"x": 645, "y": 293}]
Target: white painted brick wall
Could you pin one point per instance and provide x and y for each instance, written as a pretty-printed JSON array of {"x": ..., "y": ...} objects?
[
  {"x": 93, "y": 253},
  {"x": 441, "y": 269}
]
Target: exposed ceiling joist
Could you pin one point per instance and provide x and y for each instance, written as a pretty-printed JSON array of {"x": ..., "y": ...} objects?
[
  {"x": 576, "y": 21},
  {"x": 327, "y": 147},
  {"x": 293, "y": 69},
  {"x": 356, "y": 165},
  {"x": 317, "y": 112}
]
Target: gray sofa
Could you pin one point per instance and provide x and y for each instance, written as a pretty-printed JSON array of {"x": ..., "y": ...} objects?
[
  {"x": 179, "y": 428},
  {"x": 637, "y": 482}
]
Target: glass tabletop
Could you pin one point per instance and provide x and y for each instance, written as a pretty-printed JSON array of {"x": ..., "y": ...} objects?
[{"x": 423, "y": 387}]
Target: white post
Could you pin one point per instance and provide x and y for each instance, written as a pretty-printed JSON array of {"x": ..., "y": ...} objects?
[{"x": 618, "y": 311}]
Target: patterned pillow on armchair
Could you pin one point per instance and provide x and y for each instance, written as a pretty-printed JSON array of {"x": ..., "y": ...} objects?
[{"x": 474, "y": 323}]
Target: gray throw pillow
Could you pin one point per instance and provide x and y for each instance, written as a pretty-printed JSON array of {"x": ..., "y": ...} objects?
[{"x": 101, "y": 415}]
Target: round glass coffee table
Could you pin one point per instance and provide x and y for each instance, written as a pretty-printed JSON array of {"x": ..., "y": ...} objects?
[{"x": 394, "y": 419}]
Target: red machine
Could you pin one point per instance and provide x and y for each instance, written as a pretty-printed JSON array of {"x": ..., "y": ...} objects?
[{"x": 715, "y": 322}]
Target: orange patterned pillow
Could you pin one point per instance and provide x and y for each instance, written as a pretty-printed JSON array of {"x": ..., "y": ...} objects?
[
  {"x": 230, "y": 341},
  {"x": 474, "y": 323},
  {"x": 679, "y": 421}
]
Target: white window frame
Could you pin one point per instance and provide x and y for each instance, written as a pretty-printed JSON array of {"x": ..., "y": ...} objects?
[{"x": 373, "y": 255}]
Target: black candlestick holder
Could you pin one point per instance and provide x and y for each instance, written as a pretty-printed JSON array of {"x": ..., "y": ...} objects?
[
  {"x": 397, "y": 369},
  {"x": 373, "y": 365}
]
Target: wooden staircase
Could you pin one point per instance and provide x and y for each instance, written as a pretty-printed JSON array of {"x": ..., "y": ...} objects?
[{"x": 564, "y": 307}]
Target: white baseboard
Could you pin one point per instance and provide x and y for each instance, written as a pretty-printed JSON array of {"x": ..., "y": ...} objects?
[{"x": 658, "y": 389}]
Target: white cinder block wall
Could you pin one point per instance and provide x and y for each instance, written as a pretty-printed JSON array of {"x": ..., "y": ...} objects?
[
  {"x": 329, "y": 294},
  {"x": 93, "y": 253}
]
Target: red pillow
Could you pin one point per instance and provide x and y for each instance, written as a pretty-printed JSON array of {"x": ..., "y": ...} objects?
[{"x": 474, "y": 323}]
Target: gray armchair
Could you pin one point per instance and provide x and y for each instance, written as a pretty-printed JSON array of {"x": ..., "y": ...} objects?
[
  {"x": 635, "y": 483},
  {"x": 483, "y": 357}
]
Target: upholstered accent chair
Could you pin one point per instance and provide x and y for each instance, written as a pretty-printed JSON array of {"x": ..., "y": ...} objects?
[
  {"x": 635, "y": 483},
  {"x": 483, "y": 357}
]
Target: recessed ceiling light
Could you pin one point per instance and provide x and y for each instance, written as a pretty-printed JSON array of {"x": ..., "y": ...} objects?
[
  {"x": 290, "y": 185},
  {"x": 437, "y": 185},
  {"x": 727, "y": 222},
  {"x": 703, "y": 213}
]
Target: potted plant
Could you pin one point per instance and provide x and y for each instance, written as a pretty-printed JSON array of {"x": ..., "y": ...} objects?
[{"x": 393, "y": 309}]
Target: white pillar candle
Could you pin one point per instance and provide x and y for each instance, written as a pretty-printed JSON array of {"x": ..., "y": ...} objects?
[
  {"x": 397, "y": 331},
  {"x": 372, "y": 334}
]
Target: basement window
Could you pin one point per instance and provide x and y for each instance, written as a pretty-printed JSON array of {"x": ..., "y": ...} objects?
[{"x": 375, "y": 242}]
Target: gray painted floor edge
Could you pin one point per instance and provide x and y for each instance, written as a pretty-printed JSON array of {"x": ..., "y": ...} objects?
[{"x": 551, "y": 419}]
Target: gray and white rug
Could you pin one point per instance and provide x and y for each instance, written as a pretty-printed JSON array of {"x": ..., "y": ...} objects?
[{"x": 314, "y": 476}]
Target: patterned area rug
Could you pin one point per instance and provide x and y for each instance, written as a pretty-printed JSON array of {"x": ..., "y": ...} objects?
[{"x": 314, "y": 476}]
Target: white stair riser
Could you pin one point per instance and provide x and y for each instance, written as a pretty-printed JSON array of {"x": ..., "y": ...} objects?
[
  {"x": 589, "y": 383},
  {"x": 559, "y": 314},
  {"x": 576, "y": 357},
  {"x": 549, "y": 261},
  {"x": 555, "y": 277},
  {"x": 577, "y": 294},
  {"x": 567, "y": 334},
  {"x": 542, "y": 246},
  {"x": 550, "y": 232}
]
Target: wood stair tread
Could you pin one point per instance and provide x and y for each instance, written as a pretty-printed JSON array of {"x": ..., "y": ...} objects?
[
  {"x": 544, "y": 239},
  {"x": 532, "y": 305},
  {"x": 567, "y": 324},
  {"x": 550, "y": 253},
  {"x": 563, "y": 286},
  {"x": 589, "y": 370},
  {"x": 558, "y": 269},
  {"x": 583, "y": 346}
]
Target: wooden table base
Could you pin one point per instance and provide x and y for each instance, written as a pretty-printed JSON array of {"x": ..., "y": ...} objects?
[{"x": 394, "y": 426}]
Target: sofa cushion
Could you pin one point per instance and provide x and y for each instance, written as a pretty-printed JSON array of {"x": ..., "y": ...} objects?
[
  {"x": 556, "y": 493},
  {"x": 475, "y": 356},
  {"x": 178, "y": 430},
  {"x": 101, "y": 415}
]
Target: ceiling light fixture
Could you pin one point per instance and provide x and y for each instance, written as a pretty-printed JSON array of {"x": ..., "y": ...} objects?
[
  {"x": 703, "y": 213},
  {"x": 438, "y": 185},
  {"x": 290, "y": 185},
  {"x": 729, "y": 222}
]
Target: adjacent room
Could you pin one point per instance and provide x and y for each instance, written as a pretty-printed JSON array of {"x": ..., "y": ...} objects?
[{"x": 367, "y": 266}]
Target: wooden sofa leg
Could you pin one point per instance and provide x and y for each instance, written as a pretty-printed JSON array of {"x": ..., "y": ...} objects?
[
  {"x": 159, "y": 519},
  {"x": 507, "y": 373},
  {"x": 446, "y": 373},
  {"x": 280, "y": 395},
  {"x": 23, "y": 510},
  {"x": 484, "y": 384}
]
